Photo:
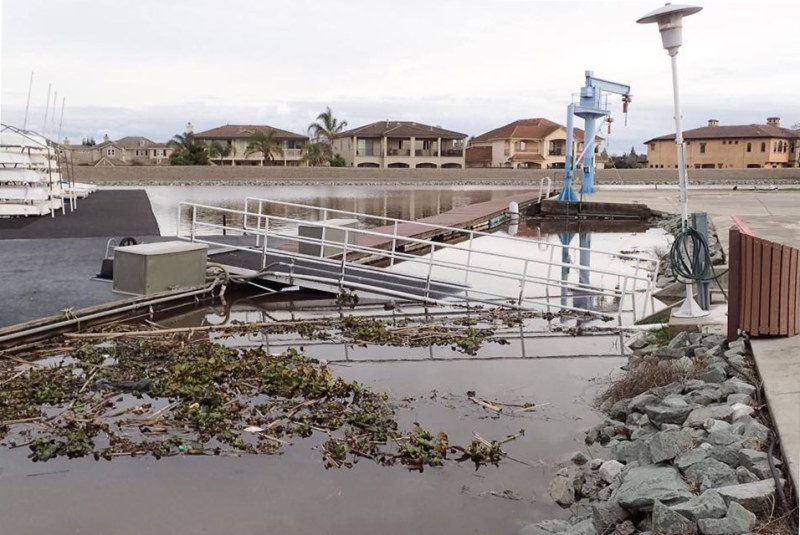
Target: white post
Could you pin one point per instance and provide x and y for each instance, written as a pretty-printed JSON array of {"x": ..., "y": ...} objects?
[
  {"x": 28, "y": 103},
  {"x": 689, "y": 308},
  {"x": 47, "y": 108}
]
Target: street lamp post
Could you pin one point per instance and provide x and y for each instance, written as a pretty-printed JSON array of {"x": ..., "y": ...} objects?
[{"x": 669, "y": 19}]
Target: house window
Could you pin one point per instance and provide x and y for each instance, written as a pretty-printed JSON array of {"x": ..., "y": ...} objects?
[
  {"x": 652, "y": 146},
  {"x": 736, "y": 142},
  {"x": 749, "y": 147},
  {"x": 163, "y": 152},
  {"x": 110, "y": 152},
  {"x": 763, "y": 147},
  {"x": 702, "y": 148}
]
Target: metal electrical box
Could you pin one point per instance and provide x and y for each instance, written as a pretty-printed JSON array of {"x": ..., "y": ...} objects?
[
  {"x": 333, "y": 236},
  {"x": 156, "y": 267}
]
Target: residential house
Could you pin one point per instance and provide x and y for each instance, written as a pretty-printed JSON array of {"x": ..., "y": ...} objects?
[
  {"x": 401, "y": 144},
  {"x": 130, "y": 150},
  {"x": 731, "y": 146},
  {"x": 527, "y": 144},
  {"x": 234, "y": 139}
]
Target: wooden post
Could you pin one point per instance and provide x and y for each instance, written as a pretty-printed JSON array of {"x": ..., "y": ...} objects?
[{"x": 734, "y": 282}]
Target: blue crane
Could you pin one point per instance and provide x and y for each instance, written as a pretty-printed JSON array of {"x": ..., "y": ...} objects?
[{"x": 590, "y": 109}]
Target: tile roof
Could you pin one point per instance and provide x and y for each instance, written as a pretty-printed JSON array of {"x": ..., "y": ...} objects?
[
  {"x": 535, "y": 128},
  {"x": 134, "y": 142},
  {"x": 732, "y": 131},
  {"x": 402, "y": 129},
  {"x": 244, "y": 131},
  {"x": 479, "y": 154}
]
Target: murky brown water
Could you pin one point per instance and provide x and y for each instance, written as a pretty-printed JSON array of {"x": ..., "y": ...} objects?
[{"x": 293, "y": 493}]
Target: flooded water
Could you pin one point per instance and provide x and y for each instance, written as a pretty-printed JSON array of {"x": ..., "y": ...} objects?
[
  {"x": 409, "y": 202},
  {"x": 292, "y": 493}
]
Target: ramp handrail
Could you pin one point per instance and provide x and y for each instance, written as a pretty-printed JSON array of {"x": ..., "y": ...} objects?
[
  {"x": 396, "y": 221},
  {"x": 265, "y": 230}
]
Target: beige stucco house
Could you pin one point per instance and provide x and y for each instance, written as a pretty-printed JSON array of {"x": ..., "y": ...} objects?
[
  {"x": 236, "y": 137},
  {"x": 527, "y": 143},
  {"x": 734, "y": 146},
  {"x": 401, "y": 144},
  {"x": 130, "y": 150}
]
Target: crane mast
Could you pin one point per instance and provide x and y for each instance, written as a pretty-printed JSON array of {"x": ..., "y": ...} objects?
[{"x": 590, "y": 109}]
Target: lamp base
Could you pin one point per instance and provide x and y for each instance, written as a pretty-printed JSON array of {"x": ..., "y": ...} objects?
[{"x": 690, "y": 308}]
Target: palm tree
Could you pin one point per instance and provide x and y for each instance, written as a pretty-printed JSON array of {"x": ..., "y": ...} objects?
[
  {"x": 325, "y": 128},
  {"x": 264, "y": 142},
  {"x": 187, "y": 150},
  {"x": 314, "y": 154},
  {"x": 218, "y": 150}
]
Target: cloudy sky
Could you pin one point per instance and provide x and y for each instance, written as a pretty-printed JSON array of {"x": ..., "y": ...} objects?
[{"x": 147, "y": 67}]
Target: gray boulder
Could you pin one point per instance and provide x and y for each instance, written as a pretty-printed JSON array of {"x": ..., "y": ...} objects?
[
  {"x": 705, "y": 396},
  {"x": 737, "y": 521},
  {"x": 755, "y": 497},
  {"x": 643, "y": 485},
  {"x": 700, "y": 453},
  {"x": 562, "y": 489},
  {"x": 628, "y": 451},
  {"x": 757, "y": 463},
  {"x": 666, "y": 445},
  {"x": 700, "y": 415},
  {"x": 712, "y": 425},
  {"x": 638, "y": 403},
  {"x": 734, "y": 398},
  {"x": 680, "y": 340},
  {"x": 708, "y": 505},
  {"x": 714, "y": 374},
  {"x": 609, "y": 470},
  {"x": 725, "y": 454},
  {"x": 578, "y": 458},
  {"x": 711, "y": 473},
  {"x": 755, "y": 431},
  {"x": 746, "y": 476},
  {"x": 723, "y": 438},
  {"x": 668, "y": 522},
  {"x": 671, "y": 410},
  {"x": 606, "y": 515},
  {"x": 737, "y": 386}
]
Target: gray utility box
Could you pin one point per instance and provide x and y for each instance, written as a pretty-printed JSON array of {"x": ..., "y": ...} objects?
[
  {"x": 313, "y": 229},
  {"x": 156, "y": 267}
]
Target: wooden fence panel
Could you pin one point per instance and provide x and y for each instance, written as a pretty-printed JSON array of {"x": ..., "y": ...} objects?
[{"x": 764, "y": 286}]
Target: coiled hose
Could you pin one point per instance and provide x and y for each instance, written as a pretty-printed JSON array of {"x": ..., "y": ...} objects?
[{"x": 690, "y": 259}]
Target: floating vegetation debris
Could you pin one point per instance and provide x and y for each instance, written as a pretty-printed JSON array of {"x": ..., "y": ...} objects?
[{"x": 134, "y": 396}]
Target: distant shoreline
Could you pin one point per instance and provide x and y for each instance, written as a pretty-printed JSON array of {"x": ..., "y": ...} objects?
[{"x": 314, "y": 176}]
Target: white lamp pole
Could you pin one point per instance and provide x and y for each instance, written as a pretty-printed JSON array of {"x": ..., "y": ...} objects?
[{"x": 669, "y": 19}]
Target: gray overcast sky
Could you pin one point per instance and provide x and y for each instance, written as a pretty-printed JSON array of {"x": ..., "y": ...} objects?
[{"x": 147, "y": 67}]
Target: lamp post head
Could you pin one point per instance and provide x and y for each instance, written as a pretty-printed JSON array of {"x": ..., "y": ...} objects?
[{"x": 669, "y": 19}]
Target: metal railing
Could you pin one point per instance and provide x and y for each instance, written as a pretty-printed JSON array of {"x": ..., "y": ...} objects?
[
  {"x": 437, "y": 278},
  {"x": 458, "y": 234}
]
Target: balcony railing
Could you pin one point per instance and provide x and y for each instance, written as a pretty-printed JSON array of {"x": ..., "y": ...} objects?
[
  {"x": 398, "y": 152},
  {"x": 457, "y": 153},
  {"x": 556, "y": 152},
  {"x": 292, "y": 153},
  {"x": 374, "y": 151}
]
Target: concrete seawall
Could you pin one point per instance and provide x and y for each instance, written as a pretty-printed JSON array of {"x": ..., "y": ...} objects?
[{"x": 152, "y": 175}]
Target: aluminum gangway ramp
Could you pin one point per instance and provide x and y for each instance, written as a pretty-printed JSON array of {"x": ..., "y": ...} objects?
[{"x": 336, "y": 251}]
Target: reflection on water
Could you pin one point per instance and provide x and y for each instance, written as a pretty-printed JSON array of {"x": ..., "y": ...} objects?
[
  {"x": 578, "y": 278},
  {"x": 411, "y": 202}
]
